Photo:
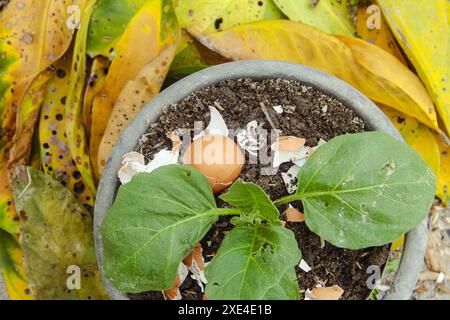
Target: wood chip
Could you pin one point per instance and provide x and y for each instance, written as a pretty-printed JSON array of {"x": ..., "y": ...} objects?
[{"x": 266, "y": 113}]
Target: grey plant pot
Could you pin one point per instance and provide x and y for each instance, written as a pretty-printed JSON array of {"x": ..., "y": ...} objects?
[
  {"x": 415, "y": 242},
  {"x": 3, "y": 292}
]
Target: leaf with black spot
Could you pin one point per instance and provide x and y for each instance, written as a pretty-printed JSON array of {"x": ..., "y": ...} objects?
[{"x": 56, "y": 236}]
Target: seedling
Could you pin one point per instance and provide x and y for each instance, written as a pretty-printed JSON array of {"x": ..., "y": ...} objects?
[{"x": 357, "y": 191}]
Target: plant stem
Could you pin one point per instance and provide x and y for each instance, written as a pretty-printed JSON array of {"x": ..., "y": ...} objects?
[
  {"x": 287, "y": 199},
  {"x": 225, "y": 212}
]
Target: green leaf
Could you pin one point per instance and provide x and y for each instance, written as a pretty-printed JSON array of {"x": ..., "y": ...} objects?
[
  {"x": 218, "y": 15},
  {"x": 365, "y": 190},
  {"x": 155, "y": 222},
  {"x": 191, "y": 57},
  {"x": 254, "y": 262},
  {"x": 286, "y": 289},
  {"x": 108, "y": 22},
  {"x": 111, "y": 17},
  {"x": 330, "y": 16},
  {"x": 56, "y": 234},
  {"x": 252, "y": 201}
]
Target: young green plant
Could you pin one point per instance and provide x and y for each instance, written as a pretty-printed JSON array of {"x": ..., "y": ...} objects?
[
  {"x": 357, "y": 191},
  {"x": 159, "y": 217}
]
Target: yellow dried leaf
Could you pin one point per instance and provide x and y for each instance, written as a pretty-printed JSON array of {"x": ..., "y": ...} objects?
[
  {"x": 143, "y": 40},
  {"x": 381, "y": 37},
  {"x": 20, "y": 151},
  {"x": 423, "y": 32},
  {"x": 376, "y": 73},
  {"x": 398, "y": 243},
  {"x": 11, "y": 263},
  {"x": 27, "y": 117},
  {"x": 75, "y": 132},
  {"x": 219, "y": 15},
  {"x": 29, "y": 43},
  {"x": 55, "y": 153},
  {"x": 57, "y": 239},
  {"x": 95, "y": 82},
  {"x": 133, "y": 97},
  {"x": 330, "y": 16},
  {"x": 443, "y": 188},
  {"x": 418, "y": 136}
]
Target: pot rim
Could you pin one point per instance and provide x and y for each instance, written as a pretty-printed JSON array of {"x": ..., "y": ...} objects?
[{"x": 415, "y": 240}]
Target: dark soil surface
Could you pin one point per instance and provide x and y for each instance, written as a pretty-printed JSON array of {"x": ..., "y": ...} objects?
[{"x": 309, "y": 114}]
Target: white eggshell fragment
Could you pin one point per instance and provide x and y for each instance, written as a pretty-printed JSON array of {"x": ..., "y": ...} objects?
[
  {"x": 304, "y": 266},
  {"x": 290, "y": 179},
  {"x": 289, "y": 149},
  {"x": 217, "y": 125},
  {"x": 133, "y": 163},
  {"x": 163, "y": 158},
  {"x": 248, "y": 138},
  {"x": 278, "y": 109}
]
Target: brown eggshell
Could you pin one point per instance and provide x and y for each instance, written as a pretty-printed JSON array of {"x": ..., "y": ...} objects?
[
  {"x": 219, "y": 158},
  {"x": 293, "y": 215},
  {"x": 289, "y": 143},
  {"x": 327, "y": 293}
]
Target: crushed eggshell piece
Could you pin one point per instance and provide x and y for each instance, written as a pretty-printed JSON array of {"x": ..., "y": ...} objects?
[
  {"x": 278, "y": 109},
  {"x": 176, "y": 141},
  {"x": 289, "y": 149},
  {"x": 309, "y": 295},
  {"x": 319, "y": 144},
  {"x": 196, "y": 265},
  {"x": 248, "y": 138},
  {"x": 290, "y": 179},
  {"x": 326, "y": 293},
  {"x": 293, "y": 215},
  {"x": 217, "y": 125},
  {"x": 132, "y": 163},
  {"x": 197, "y": 255},
  {"x": 304, "y": 266},
  {"x": 162, "y": 158},
  {"x": 174, "y": 292},
  {"x": 290, "y": 156},
  {"x": 440, "y": 278},
  {"x": 288, "y": 143},
  {"x": 298, "y": 158}
]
